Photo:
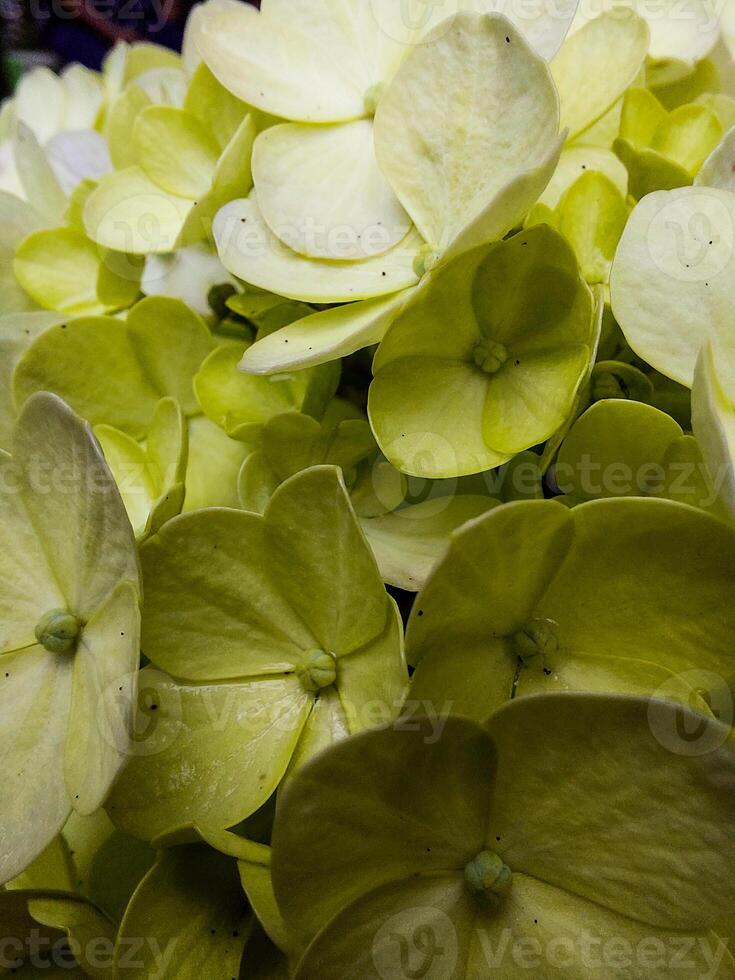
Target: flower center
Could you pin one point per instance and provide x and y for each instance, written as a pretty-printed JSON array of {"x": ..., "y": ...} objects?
[
  {"x": 536, "y": 640},
  {"x": 58, "y": 631},
  {"x": 318, "y": 669},
  {"x": 490, "y": 356},
  {"x": 488, "y": 876}
]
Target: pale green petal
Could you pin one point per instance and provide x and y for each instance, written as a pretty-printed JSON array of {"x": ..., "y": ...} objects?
[
  {"x": 39, "y": 182},
  {"x": 59, "y": 269},
  {"x": 236, "y": 401},
  {"x": 53, "y": 868},
  {"x": 85, "y": 926},
  {"x": 255, "y": 874},
  {"x": 644, "y": 580},
  {"x": 529, "y": 402},
  {"x": 167, "y": 451},
  {"x": 324, "y": 336},
  {"x": 592, "y": 215},
  {"x": 277, "y": 62},
  {"x": 98, "y": 741},
  {"x": 129, "y": 213},
  {"x": 143, "y": 57},
  {"x": 83, "y": 91},
  {"x": 35, "y": 694},
  {"x": 431, "y": 819},
  {"x": 220, "y": 112},
  {"x": 681, "y": 34},
  {"x": 348, "y": 211},
  {"x": 17, "y": 220},
  {"x": 159, "y": 325},
  {"x": 427, "y": 412},
  {"x": 523, "y": 544},
  {"x": 509, "y": 206},
  {"x": 408, "y": 542},
  {"x": 256, "y": 482},
  {"x": 596, "y": 65},
  {"x": 713, "y": 422},
  {"x": 40, "y": 103},
  {"x": 327, "y": 723},
  {"x": 232, "y": 179},
  {"x": 207, "y": 576},
  {"x": 209, "y": 754},
  {"x": 718, "y": 170},
  {"x": 115, "y": 372},
  {"x": 689, "y": 135},
  {"x": 673, "y": 279},
  {"x": 614, "y": 448},
  {"x": 118, "y": 279},
  {"x": 119, "y": 122},
  {"x": 386, "y": 898},
  {"x": 250, "y": 251},
  {"x": 431, "y": 122},
  {"x": 214, "y": 463},
  {"x": 193, "y": 912},
  {"x": 90, "y": 362},
  {"x": 128, "y": 464},
  {"x": 164, "y": 86},
  {"x": 577, "y": 160},
  {"x": 17, "y": 333},
  {"x": 175, "y": 151},
  {"x": 108, "y": 864},
  {"x": 342, "y": 599},
  {"x": 644, "y": 860},
  {"x": 85, "y": 531}
]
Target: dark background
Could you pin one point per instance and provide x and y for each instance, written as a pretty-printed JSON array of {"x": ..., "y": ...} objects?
[{"x": 55, "y": 32}]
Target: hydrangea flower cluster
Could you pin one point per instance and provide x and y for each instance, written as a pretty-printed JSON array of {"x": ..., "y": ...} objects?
[{"x": 367, "y": 489}]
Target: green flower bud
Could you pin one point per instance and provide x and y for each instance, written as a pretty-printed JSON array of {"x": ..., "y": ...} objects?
[
  {"x": 535, "y": 641},
  {"x": 490, "y": 356},
  {"x": 58, "y": 631},
  {"x": 373, "y": 96},
  {"x": 488, "y": 876},
  {"x": 318, "y": 669}
]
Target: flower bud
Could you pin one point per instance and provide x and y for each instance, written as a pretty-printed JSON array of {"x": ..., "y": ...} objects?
[
  {"x": 489, "y": 355},
  {"x": 58, "y": 631},
  {"x": 487, "y": 875},
  {"x": 535, "y": 641},
  {"x": 318, "y": 669}
]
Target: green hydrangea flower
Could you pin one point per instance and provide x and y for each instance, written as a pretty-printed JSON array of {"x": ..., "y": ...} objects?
[
  {"x": 275, "y": 652},
  {"x": 452, "y": 206},
  {"x": 70, "y": 636},
  {"x": 399, "y": 851},
  {"x": 180, "y": 165},
  {"x": 447, "y": 403},
  {"x": 620, "y": 594},
  {"x": 664, "y": 150},
  {"x": 77, "y": 360}
]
